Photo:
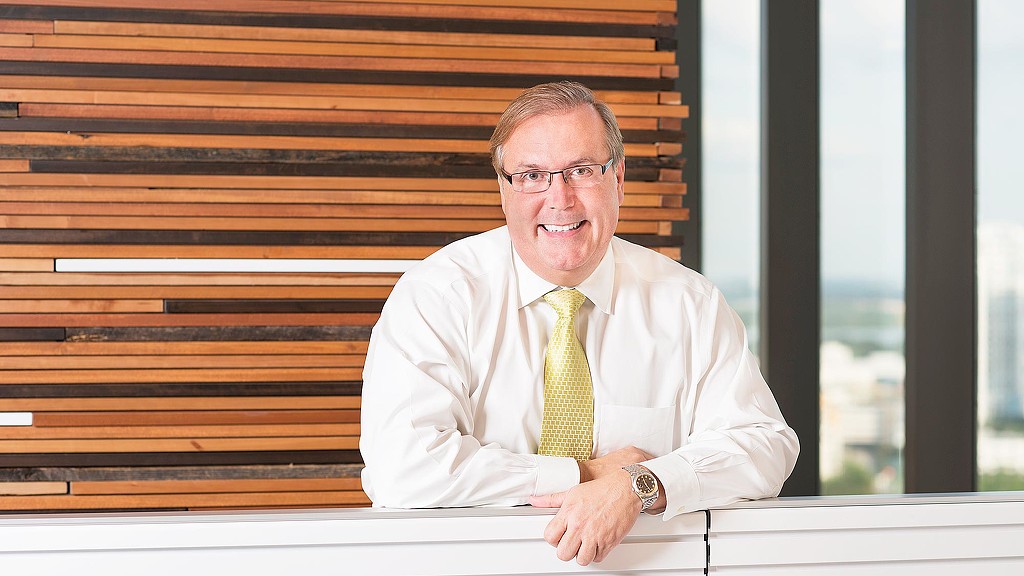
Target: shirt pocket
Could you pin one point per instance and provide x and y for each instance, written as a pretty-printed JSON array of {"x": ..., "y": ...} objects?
[{"x": 649, "y": 429}]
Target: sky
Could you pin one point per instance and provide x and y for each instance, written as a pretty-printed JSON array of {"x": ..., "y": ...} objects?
[{"x": 863, "y": 145}]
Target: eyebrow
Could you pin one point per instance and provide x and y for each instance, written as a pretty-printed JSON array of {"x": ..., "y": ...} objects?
[{"x": 533, "y": 166}]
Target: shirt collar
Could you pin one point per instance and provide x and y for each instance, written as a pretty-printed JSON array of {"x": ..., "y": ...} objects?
[{"x": 597, "y": 287}]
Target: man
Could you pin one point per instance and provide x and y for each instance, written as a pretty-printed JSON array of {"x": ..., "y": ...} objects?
[{"x": 637, "y": 394}]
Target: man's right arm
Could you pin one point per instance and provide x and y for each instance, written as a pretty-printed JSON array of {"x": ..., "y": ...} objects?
[{"x": 417, "y": 416}]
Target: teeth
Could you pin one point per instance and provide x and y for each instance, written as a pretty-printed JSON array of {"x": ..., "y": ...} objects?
[{"x": 553, "y": 228}]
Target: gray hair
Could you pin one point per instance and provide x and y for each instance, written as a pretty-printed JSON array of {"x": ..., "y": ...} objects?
[{"x": 554, "y": 98}]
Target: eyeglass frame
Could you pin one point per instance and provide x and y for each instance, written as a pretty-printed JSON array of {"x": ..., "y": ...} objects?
[{"x": 551, "y": 173}]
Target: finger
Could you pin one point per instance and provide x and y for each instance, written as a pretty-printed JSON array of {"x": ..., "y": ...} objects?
[
  {"x": 586, "y": 554},
  {"x": 548, "y": 500},
  {"x": 555, "y": 529},
  {"x": 568, "y": 546}
]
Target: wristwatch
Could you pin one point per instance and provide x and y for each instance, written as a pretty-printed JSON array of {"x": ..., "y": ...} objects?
[{"x": 645, "y": 485}]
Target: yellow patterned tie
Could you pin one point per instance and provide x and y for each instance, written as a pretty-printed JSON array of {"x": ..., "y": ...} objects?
[{"x": 568, "y": 426}]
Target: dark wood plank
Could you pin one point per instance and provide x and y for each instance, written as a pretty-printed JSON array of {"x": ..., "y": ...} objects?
[
  {"x": 264, "y": 238},
  {"x": 492, "y": 80},
  {"x": 146, "y": 473},
  {"x": 217, "y": 333},
  {"x": 341, "y": 130},
  {"x": 32, "y": 334}
]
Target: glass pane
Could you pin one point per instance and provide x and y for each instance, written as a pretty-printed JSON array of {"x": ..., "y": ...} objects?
[
  {"x": 863, "y": 247},
  {"x": 1000, "y": 246},
  {"x": 730, "y": 46}
]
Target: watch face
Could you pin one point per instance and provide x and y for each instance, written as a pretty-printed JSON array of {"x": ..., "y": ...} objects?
[{"x": 646, "y": 484}]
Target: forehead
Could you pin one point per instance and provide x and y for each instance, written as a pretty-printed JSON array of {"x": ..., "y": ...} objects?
[{"x": 556, "y": 139}]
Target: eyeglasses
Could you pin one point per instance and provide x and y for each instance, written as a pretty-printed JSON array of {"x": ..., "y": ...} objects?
[{"x": 535, "y": 181}]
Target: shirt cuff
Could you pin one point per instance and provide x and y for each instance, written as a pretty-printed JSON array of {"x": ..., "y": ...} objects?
[
  {"x": 682, "y": 490},
  {"x": 555, "y": 474}
]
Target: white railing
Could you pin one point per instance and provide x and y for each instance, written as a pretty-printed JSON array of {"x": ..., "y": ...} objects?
[{"x": 933, "y": 535}]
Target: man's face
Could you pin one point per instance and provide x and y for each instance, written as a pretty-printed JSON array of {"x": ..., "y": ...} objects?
[{"x": 561, "y": 234}]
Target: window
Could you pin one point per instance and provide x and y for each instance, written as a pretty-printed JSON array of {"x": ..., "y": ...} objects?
[
  {"x": 1000, "y": 246},
  {"x": 731, "y": 143},
  {"x": 862, "y": 245}
]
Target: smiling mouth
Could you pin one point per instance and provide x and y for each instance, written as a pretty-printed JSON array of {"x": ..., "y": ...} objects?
[{"x": 566, "y": 228}]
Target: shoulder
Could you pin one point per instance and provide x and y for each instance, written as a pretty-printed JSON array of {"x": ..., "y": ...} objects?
[
  {"x": 647, "y": 268},
  {"x": 457, "y": 272}
]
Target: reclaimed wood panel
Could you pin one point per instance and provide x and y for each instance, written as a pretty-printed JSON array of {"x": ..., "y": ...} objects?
[{"x": 274, "y": 130}]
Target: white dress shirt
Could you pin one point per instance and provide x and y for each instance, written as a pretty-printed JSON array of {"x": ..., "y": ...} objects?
[{"x": 453, "y": 386}]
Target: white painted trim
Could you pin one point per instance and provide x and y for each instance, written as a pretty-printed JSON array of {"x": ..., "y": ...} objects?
[
  {"x": 15, "y": 418},
  {"x": 230, "y": 265}
]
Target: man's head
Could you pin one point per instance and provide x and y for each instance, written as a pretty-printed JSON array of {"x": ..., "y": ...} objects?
[{"x": 563, "y": 231}]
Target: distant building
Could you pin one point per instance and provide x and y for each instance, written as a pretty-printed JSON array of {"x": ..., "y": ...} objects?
[{"x": 1001, "y": 324}]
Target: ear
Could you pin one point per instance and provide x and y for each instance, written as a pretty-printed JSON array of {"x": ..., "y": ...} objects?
[{"x": 620, "y": 180}]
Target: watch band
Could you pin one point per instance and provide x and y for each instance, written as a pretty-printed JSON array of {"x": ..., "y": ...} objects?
[{"x": 644, "y": 484}]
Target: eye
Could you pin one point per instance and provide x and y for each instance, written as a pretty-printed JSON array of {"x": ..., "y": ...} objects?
[
  {"x": 535, "y": 176},
  {"x": 581, "y": 172}
]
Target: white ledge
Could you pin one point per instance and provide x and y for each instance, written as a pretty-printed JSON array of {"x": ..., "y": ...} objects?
[{"x": 914, "y": 534}]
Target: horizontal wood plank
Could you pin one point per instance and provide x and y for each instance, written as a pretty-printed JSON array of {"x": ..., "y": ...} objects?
[
  {"x": 150, "y": 404},
  {"x": 182, "y": 431},
  {"x": 195, "y": 418},
  {"x": 169, "y": 362},
  {"x": 168, "y": 375},
  {"x": 178, "y": 445},
  {"x": 150, "y": 501},
  {"x": 31, "y": 488},
  {"x": 240, "y": 485},
  {"x": 54, "y": 349}
]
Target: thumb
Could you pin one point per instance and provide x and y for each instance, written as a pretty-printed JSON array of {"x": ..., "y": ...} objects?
[{"x": 548, "y": 500}]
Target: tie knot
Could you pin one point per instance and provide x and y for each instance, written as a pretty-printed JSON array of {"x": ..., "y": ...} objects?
[{"x": 565, "y": 302}]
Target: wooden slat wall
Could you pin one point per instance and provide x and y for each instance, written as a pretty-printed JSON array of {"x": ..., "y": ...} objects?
[{"x": 260, "y": 130}]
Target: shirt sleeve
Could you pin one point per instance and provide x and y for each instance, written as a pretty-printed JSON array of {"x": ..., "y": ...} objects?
[
  {"x": 417, "y": 416},
  {"x": 739, "y": 446}
]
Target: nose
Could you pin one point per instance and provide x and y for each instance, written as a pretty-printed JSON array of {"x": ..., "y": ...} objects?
[{"x": 560, "y": 195}]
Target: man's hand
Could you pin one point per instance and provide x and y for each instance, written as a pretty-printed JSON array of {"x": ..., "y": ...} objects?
[
  {"x": 593, "y": 517},
  {"x": 611, "y": 463}
]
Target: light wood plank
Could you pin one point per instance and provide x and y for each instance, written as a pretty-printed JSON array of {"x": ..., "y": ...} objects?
[
  {"x": 78, "y": 446},
  {"x": 194, "y": 292},
  {"x": 184, "y": 375},
  {"x": 158, "y": 432},
  {"x": 163, "y": 58},
  {"x": 390, "y": 104},
  {"x": 26, "y": 264},
  {"x": 317, "y": 211},
  {"x": 150, "y": 501},
  {"x": 270, "y": 319},
  {"x": 215, "y": 486},
  {"x": 245, "y": 87},
  {"x": 401, "y": 37},
  {"x": 466, "y": 10},
  {"x": 210, "y": 279},
  {"x": 272, "y": 224},
  {"x": 338, "y": 49},
  {"x": 80, "y": 306},
  {"x": 175, "y": 251},
  {"x": 170, "y": 361},
  {"x": 180, "y": 348},
  {"x": 195, "y": 418},
  {"x": 13, "y": 165},
  {"x": 32, "y": 488},
  {"x": 265, "y": 196},
  {"x": 42, "y": 405}
]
